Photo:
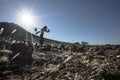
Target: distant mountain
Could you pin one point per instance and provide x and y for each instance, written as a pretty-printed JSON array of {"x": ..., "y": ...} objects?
[{"x": 20, "y": 33}]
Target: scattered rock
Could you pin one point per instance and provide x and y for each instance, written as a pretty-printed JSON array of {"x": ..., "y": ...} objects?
[{"x": 97, "y": 63}]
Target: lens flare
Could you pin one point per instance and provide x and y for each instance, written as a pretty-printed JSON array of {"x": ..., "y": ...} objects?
[{"x": 26, "y": 17}]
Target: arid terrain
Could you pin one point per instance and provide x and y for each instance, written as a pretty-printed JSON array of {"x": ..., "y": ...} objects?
[{"x": 23, "y": 61}]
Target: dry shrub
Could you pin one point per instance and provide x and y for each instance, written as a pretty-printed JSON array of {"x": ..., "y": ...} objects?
[
  {"x": 4, "y": 59},
  {"x": 94, "y": 62},
  {"x": 51, "y": 68},
  {"x": 77, "y": 77}
]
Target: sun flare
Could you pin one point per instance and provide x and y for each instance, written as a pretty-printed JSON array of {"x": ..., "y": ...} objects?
[{"x": 27, "y": 18}]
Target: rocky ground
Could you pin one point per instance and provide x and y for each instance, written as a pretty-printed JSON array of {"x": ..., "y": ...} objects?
[
  {"x": 82, "y": 63},
  {"x": 96, "y": 63}
]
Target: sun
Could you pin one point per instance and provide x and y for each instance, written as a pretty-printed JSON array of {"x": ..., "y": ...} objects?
[{"x": 26, "y": 17}]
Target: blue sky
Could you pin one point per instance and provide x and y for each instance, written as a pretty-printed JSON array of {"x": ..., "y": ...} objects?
[{"x": 93, "y": 21}]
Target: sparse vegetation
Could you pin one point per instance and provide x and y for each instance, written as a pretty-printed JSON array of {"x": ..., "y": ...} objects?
[{"x": 84, "y": 43}]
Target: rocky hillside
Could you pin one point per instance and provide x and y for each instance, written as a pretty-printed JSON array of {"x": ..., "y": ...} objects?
[{"x": 20, "y": 33}]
